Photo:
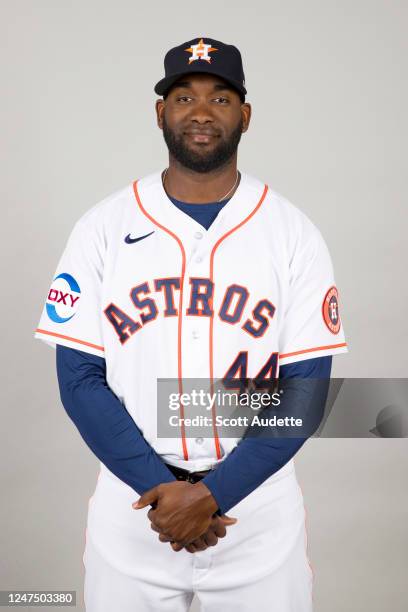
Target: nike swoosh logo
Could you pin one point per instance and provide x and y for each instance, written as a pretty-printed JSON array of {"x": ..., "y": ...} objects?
[{"x": 130, "y": 240}]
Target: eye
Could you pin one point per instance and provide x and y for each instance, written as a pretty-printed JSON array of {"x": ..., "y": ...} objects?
[
  {"x": 222, "y": 100},
  {"x": 183, "y": 98}
]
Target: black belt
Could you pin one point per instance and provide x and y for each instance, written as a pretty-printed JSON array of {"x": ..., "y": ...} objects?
[{"x": 192, "y": 477}]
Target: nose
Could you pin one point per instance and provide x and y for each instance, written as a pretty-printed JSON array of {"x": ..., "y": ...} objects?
[{"x": 201, "y": 112}]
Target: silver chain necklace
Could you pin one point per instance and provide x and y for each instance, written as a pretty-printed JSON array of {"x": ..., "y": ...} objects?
[{"x": 221, "y": 199}]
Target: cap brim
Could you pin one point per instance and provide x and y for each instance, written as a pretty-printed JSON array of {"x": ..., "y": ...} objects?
[{"x": 163, "y": 86}]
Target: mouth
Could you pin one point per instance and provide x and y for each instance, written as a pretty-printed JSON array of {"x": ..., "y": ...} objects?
[{"x": 201, "y": 137}]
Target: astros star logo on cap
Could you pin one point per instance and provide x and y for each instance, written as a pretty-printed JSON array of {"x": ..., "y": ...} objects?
[{"x": 200, "y": 51}]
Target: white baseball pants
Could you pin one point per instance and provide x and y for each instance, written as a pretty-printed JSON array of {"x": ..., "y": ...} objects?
[{"x": 260, "y": 565}]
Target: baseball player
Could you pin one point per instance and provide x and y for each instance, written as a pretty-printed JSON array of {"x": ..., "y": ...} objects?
[{"x": 196, "y": 271}]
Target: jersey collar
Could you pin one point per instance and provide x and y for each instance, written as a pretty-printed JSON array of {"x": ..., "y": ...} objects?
[{"x": 153, "y": 201}]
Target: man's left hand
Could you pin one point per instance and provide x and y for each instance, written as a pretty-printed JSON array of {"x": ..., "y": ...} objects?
[{"x": 182, "y": 511}]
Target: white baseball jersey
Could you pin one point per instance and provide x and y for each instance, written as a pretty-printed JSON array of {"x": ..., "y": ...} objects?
[{"x": 145, "y": 286}]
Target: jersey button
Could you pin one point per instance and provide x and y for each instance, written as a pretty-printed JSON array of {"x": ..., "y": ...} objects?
[
  {"x": 199, "y": 259},
  {"x": 196, "y": 334},
  {"x": 199, "y": 440},
  {"x": 198, "y": 235}
]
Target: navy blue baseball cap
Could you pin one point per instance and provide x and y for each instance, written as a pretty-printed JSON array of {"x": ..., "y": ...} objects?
[{"x": 203, "y": 55}]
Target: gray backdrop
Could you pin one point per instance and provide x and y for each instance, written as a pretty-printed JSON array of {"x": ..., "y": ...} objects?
[{"x": 327, "y": 81}]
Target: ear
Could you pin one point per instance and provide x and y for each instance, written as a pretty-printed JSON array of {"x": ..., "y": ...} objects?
[
  {"x": 160, "y": 105},
  {"x": 246, "y": 112}
]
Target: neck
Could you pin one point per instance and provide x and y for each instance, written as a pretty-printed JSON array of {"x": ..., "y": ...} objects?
[{"x": 197, "y": 187}]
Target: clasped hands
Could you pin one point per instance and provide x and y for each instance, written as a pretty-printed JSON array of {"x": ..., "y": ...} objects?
[{"x": 183, "y": 514}]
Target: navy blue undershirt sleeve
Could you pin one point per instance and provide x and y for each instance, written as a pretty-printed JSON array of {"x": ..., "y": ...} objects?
[
  {"x": 104, "y": 423},
  {"x": 255, "y": 459},
  {"x": 319, "y": 367}
]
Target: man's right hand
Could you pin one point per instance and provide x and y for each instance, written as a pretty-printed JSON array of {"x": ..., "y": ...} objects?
[{"x": 217, "y": 529}]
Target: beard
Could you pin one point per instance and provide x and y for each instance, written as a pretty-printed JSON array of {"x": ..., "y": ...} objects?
[{"x": 204, "y": 161}]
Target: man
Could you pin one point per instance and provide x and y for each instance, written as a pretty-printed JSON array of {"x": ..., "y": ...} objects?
[{"x": 195, "y": 272}]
